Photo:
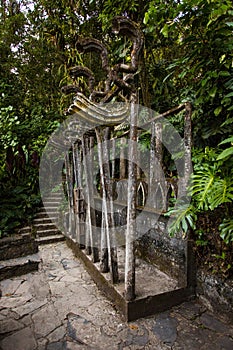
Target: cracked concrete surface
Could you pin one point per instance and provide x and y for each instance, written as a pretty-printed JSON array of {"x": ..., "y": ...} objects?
[{"x": 60, "y": 308}]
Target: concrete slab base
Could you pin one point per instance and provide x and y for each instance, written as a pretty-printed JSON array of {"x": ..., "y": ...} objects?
[{"x": 152, "y": 296}]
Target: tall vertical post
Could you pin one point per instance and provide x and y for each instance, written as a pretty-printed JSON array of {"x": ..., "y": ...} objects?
[
  {"x": 81, "y": 206},
  {"x": 131, "y": 201},
  {"x": 88, "y": 240},
  {"x": 94, "y": 243},
  {"x": 157, "y": 184},
  {"x": 122, "y": 159},
  {"x": 69, "y": 184},
  {"x": 113, "y": 159},
  {"x": 107, "y": 207},
  {"x": 91, "y": 244},
  {"x": 109, "y": 196},
  {"x": 104, "y": 258},
  {"x": 187, "y": 142},
  {"x": 76, "y": 194},
  {"x": 152, "y": 178},
  {"x": 161, "y": 193},
  {"x": 187, "y": 167}
]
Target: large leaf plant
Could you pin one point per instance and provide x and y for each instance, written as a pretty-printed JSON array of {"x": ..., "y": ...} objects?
[{"x": 211, "y": 187}]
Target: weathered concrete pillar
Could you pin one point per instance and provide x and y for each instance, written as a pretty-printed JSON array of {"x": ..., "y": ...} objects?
[{"x": 131, "y": 210}]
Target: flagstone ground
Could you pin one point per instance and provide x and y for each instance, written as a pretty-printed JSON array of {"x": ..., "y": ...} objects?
[{"x": 59, "y": 307}]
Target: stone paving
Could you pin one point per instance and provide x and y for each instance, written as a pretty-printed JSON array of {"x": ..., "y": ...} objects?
[{"x": 59, "y": 307}]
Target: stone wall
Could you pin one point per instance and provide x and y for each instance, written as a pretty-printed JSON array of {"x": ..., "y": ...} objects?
[{"x": 216, "y": 293}]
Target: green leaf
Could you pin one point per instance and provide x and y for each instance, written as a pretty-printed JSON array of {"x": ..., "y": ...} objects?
[
  {"x": 228, "y": 121},
  {"x": 226, "y": 153},
  {"x": 146, "y": 18},
  {"x": 229, "y": 95},
  {"x": 202, "y": 183},
  {"x": 184, "y": 216},
  {"x": 222, "y": 192},
  {"x": 183, "y": 74},
  {"x": 164, "y": 31},
  {"x": 230, "y": 139},
  {"x": 229, "y": 84},
  {"x": 224, "y": 73},
  {"x": 218, "y": 110},
  {"x": 213, "y": 91},
  {"x": 226, "y": 230}
]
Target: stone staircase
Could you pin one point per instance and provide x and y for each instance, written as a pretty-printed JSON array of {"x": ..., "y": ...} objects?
[
  {"x": 19, "y": 253},
  {"x": 43, "y": 226}
]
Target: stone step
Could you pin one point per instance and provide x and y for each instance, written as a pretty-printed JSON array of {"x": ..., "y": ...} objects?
[
  {"x": 44, "y": 220},
  {"x": 57, "y": 193},
  {"x": 57, "y": 197},
  {"x": 51, "y": 232},
  {"x": 44, "y": 226},
  {"x": 52, "y": 204},
  {"x": 46, "y": 229},
  {"x": 19, "y": 266},
  {"x": 48, "y": 209},
  {"x": 52, "y": 199},
  {"x": 50, "y": 239},
  {"x": 43, "y": 214},
  {"x": 17, "y": 245},
  {"x": 26, "y": 229}
]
